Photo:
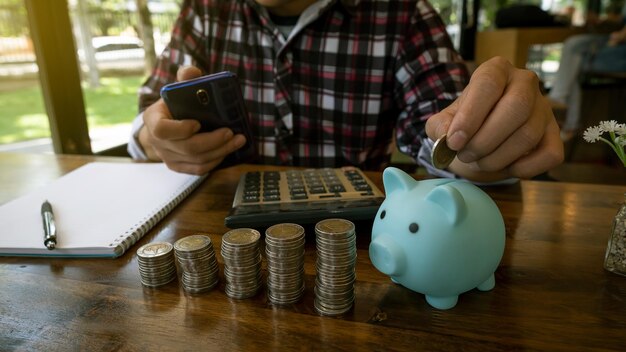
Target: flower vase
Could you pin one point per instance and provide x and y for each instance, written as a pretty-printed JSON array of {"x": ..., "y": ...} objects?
[{"x": 615, "y": 257}]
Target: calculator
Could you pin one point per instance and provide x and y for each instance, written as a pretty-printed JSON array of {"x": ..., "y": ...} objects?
[{"x": 303, "y": 196}]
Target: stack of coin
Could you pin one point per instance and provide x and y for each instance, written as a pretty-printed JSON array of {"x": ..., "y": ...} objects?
[
  {"x": 284, "y": 251},
  {"x": 156, "y": 264},
  {"x": 196, "y": 259},
  {"x": 242, "y": 262},
  {"x": 336, "y": 259}
]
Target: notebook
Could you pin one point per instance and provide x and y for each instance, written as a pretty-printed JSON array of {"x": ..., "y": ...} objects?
[{"x": 100, "y": 209}]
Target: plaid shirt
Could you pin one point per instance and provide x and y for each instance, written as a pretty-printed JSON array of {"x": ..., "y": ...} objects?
[{"x": 332, "y": 94}]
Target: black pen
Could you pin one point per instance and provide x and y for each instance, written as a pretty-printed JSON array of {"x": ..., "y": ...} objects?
[{"x": 49, "y": 228}]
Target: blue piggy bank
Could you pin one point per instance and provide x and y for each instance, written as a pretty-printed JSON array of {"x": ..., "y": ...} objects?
[{"x": 439, "y": 237}]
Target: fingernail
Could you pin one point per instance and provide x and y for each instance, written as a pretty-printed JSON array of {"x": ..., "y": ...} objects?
[
  {"x": 467, "y": 156},
  {"x": 240, "y": 140},
  {"x": 457, "y": 140},
  {"x": 228, "y": 135},
  {"x": 198, "y": 127}
]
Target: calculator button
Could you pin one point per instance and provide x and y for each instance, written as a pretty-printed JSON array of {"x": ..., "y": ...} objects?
[
  {"x": 358, "y": 181},
  {"x": 270, "y": 184},
  {"x": 271, "y": 191},
  {"x": 364, "y": 187},
  {"x": 271, "y": 197},
  {"x": 336, "y": 188},
  {"x": 295, "y": 184},
  {"x": 250, "y": 199},
  {"x": 271, "y": 175},
  {"x": 317, "y": 190},
  {"x": 298, "y": 196},
  {"x": 297, "y": 190},
  {"x": 251, "y": 193},
  {"x": 353, "y": 174}
]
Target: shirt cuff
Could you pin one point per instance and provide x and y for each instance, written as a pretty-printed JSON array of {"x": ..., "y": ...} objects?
[
  {"x": 425, "y": 160},
  {"x": 134, "y": 147}
]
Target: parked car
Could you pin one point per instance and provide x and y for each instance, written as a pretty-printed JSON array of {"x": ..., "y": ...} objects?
[
  {"x": 116, "y": 52},
  {"x": 114, "y": 48}
]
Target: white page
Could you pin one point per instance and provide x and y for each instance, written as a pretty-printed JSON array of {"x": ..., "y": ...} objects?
[{"x": 95, "y": 206}]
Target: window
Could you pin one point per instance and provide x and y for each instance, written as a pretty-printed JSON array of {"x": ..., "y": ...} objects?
[{"x": 111, "y": 60}]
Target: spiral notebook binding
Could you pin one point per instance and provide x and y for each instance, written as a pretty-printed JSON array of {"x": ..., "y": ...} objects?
[{"x": 124, "y": 242}]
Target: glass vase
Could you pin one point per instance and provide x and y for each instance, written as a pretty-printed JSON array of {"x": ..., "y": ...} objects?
[{"x": 615, "y": 257}]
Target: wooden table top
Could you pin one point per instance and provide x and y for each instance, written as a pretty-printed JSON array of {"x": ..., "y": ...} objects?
[{"x": 551, "y": 292}]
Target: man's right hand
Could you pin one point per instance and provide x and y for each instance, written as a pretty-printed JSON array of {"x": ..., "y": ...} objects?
[{"x": 176, "y": 143}]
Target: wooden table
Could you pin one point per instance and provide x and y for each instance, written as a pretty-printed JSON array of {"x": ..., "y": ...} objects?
[
  {"x": 513, "y": 43},
  {"x": 551, "y": 290}
]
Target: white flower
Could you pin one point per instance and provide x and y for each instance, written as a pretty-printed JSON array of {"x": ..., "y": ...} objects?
[
  {"x": 608, "y": 126},
  {"x": 616, "y": 139},
  {"x": 592, "y": 134}
]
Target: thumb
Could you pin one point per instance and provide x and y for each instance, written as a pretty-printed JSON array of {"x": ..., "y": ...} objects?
[
  {"x": 188, "y": 72},
  {"x": 438, "y": 124}
]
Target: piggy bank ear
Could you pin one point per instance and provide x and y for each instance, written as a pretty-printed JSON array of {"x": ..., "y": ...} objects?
[
  {"x": 451, "y": 200},
  {"x": 395, "y": 179}
]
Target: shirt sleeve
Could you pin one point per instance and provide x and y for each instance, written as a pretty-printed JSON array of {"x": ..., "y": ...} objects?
[
  {"x": 430, "y": 75},
  {"x": 134, "y": 147}
]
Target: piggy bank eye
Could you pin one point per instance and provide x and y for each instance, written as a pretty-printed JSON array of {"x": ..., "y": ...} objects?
[
  {"x": 414, "y": 227},
  {"x": 382, "y": 215}
]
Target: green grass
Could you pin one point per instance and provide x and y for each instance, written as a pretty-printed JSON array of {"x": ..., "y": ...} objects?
[{"x": 23, "y": 115}]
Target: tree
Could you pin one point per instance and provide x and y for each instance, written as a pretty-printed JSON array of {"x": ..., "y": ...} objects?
[
  {"x": 146, "y": 33},
  {"x": 84, "y": 39}
]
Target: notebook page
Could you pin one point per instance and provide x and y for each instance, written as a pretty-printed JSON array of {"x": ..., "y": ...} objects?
[{"x": 95, "y": 206}]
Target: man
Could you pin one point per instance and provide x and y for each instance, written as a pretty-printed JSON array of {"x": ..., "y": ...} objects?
[
  {"x": 589, "y": 52},
  {"x": 328, "y": 82}
]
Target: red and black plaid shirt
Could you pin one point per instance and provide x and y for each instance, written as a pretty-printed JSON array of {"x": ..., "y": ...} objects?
[{"x": 332, "y": 94}]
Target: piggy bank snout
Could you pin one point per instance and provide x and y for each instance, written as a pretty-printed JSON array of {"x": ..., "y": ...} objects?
[{"x": 387, "y": 256}]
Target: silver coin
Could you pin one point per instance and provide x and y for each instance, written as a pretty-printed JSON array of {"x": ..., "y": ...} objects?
[
  {"x": 192, "y": 243},
  {"x": 284, "y": 232},
  {"x": 441, "y": 154},
  {"x": 333, "y": 227},
  {"x": 155, "y": 249},
  {"x": 241, "y": 237}
]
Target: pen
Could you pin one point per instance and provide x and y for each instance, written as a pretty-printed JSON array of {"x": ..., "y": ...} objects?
[{"x": 49, "y": 228}]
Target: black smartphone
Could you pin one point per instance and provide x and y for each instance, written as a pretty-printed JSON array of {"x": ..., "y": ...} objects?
[{"x": 215, "y": 101}]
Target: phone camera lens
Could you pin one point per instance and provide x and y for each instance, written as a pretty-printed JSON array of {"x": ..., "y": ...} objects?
[{"x": 203, "y": 96}]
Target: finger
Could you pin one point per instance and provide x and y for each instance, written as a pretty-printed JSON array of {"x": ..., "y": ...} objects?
[
  {"x": 479, "y": 97},
  {"x": 160, "y": 124},
  {"x": 208, "y": 145},
  {"x": 202, "y": 163},
  {"x": 187, "y": 72},
  {"x": 516, "y": 106},
  {"x": 204, "y": 147},
  {"x": 193, "y": 169},
  {"x": 438, "y": 124},
  {"x": 548, "y": 154},
  {"x": 175, "y": 130},
  {"x": 523, "y": 141},
  {"x": 236, "y": 142}
]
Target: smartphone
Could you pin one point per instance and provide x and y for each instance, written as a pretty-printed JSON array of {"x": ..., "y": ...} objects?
[{"x": 215, "y": 101}]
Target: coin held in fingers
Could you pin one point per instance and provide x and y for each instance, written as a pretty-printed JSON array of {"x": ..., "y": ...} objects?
[{"x": 441, "y": 154}]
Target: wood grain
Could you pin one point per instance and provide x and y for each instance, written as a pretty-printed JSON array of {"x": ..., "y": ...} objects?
[{"x": 551, "y": 290}]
